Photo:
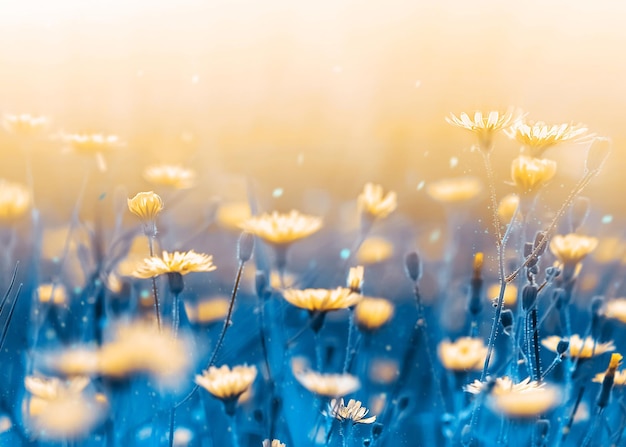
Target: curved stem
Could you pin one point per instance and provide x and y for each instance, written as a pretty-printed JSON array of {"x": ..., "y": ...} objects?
[{"x": 155, "y": 292}]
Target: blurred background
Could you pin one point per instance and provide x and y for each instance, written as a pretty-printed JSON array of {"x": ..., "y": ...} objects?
[{"x": 298, "y": 95}]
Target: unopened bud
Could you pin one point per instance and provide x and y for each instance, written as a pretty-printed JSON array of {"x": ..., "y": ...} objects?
[
  {"x": 413, "y": 266},
  {"x": 562, "y": 347},
  {"x": 506, "y": 318},
  {"x": 377, "y": 429},
  {"x": 596, "y": 304},
  {"x": 540, "y": 243},
  {"x": 597, "y": 154},
  {"x": 529, "y": 296},
  {"x": 478, "y": 264},
  {"x": 245, "y": 246}
]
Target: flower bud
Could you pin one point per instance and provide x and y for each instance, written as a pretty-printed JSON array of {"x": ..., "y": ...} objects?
[
  {"x": 245, "y": 246},
  {"x": 529, "y": 296},
  {"x": 413, "y": 266}
]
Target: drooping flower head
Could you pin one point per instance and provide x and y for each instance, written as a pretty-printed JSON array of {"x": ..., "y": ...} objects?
[
  {"x": 537, "y": 137},
  {"x": 374, "y": 203},
  {"x": 483, "y": 126},
  {"x": 177, "y": 262},
  {"x": 354, "y": 412}
]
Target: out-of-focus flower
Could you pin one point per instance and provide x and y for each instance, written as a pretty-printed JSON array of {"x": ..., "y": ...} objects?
[
  {"x": 274, "y": 443},
  {"x": 353, "y": 412},
  {"x": 62, "y": 409},
  {"x": 383, "y": 370},
  {"x": 371, "y": 313},
  {"x": 92, "y": 143},
  {"x": 530, "y": 174},
  {"x": 25, "y": 124},
  {"x": 282, "y": 229},
  {"x": 373, "y": 250},
  {"x": 484, "y": 127},
  {"x": 528, "y": 403},
  {"x": 464, "y": 354},
  {"x": 503, "y": 385},
  {"x": 616, "y": 309},
  {"x": 225, "y": 383},
  {"x": 52, "y": 293},
  {"x": 578, "y": 347},
  {"x": 208, "y": 310},
  {"x": 14, "y": 200},
  {"x": 537, "y": 137},
  {"x": 507, "y": 207},
  {"x": 572, "y": 248},
  {"x": 619, "y": 380},
  {"x": 609, "y": 249},
  {"x": 177, "y": 262},
  {"x": 330, "y": 385},
  {"x": 374, "y": 203},
  {"x": 174, "y": 176},
  {"x": 5, "y": 423},
  {"x": 355, "y": 279},
  {"x": 233, "y": 215},
  {"x": 455, "y": 190},
  {"x": 322, "y": 300},
  {"x": 510, "y": 294}
]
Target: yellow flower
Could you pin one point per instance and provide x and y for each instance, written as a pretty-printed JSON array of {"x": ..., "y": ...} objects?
[
  {"x": 572, "y": 248},
  {"x": 14, "y": 200},
  {"x": 146, "y": 206},
  {"x": 616, "y": 309},
  {"x": 174, "y": 176},
  {"x": 507, "y": 207},
  {"x": 373, "y": 250},
  {"x": 52, "y": 293},
  {"x": 25, "y": 124},
  {"x": 537, "y": 137},
  {"x": 528, "y": 403},
  {"x": 465, "y": 354},
  {"x": 207, "y": 311},
  {"x": 371, "y": 313},
  {"x": 483, "y": 126},
  {"x": 225, "y": 383},
  {"x": 510, "y": 294},
  {"x": 355, "y": 279},
  {"x": 233, "y": 215},
  {"x": 620, "y": 378},
  {"x": 322, "y": 300},
  {"x": 282, "y": 229},
  {"x": 353, "y": 412},
  {"x": 578, "y": 347},
  {"x": 177, "y": 262},
  {"x": 503, "y": 385},
  {"x": 51, "y": 388},
  {"x": 330, "y": 385},
  {"x": 374, "y": 203},
  {"x": 92, "y": 143},
  {"x": 530, "y": 174},
  {"x": 455, "y": 190}
]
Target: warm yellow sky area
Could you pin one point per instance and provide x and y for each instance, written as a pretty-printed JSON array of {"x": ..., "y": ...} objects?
[{"x": 320, "y": 93}]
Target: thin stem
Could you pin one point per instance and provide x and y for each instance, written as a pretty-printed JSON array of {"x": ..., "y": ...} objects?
[
  {"x": 172, "y": 425},
  {"x": 175, "y": 314},
  {"x": 349, "y": 348},
  {"x": 535, "y": 343},
  {"x": 155, "y": 292},
  {"x": 7, "y": 323},
  {"x": 233, "y": 430}
]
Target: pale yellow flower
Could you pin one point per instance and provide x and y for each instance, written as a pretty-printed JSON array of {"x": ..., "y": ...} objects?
[
  {"x": 374, "y": 203},
  {"x": 355, "y": 278},
  {"x": 208, "y": 310},
  {"x": 374, "y": 250},
  {"x": 464, "y": 354},
  {"x": 146, "y": 206},
  {"x": 52, "y": 293},
  {"x": 619, "y": 379},
  {"x": 616, "y": 309},
  {"x": 330, "y": 385},
  {"x": 5, "y": 424},
  {"x": 609, "y": 249},
  {"x": 483, "y": 126},
  {"x": 371, "y": 313},
  {"x": 503, "y": 385},
  {"x": 274, "y": 443},
  {"x": 25, "y": 124},
  {"x": 572, "y": 248},
  {"x": 225, "y": 383},
  {"x": 353, "y": 412},
  {"x": 507, "y": 207},
  {"x": 530, "y": 174},
  {"x": 455, "y": 190},
  {"x": 58, "y": 409},
  {"x": 282, "y": 229},
  {"x": 322, "y": 300},
  {"x": 92, "y": 143},
  {"x": 177, "y": 262},
  {"x": 528, "y": 403},
  {"x": 578, "y": 347},
  {"x": 174, "y": 176},
  {"x": 233, "y": 215},
  {"x": 383, "y": 370},
  {"x": 537, "y": 137},
  {"x": 14, "y": 200}
]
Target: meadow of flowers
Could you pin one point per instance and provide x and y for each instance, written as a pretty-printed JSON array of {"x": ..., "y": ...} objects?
[{"x": 260, "y": 327}]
